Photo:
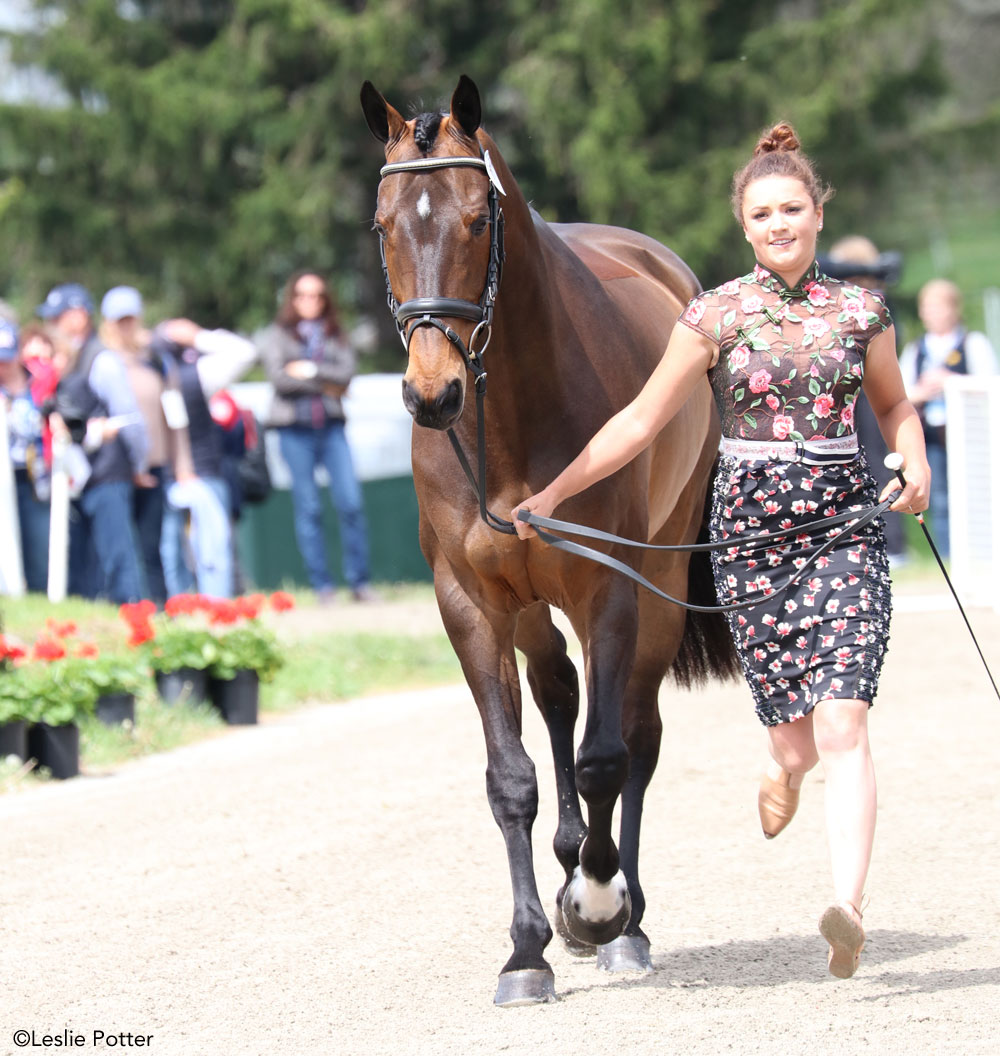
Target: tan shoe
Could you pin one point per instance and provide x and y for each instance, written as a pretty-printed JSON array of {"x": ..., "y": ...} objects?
[
  {"x": 776, "y": 803},
  {"x": 841, "y": 926}
]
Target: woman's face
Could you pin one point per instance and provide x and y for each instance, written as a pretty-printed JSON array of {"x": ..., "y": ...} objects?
[
  {"x": 781, "y": 221},
  {"x": 309, "y": 296},
  {"x": 129, "y": 327}
]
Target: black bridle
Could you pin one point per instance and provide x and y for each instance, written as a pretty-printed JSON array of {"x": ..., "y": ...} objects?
[{"x": 428, "y": 311}]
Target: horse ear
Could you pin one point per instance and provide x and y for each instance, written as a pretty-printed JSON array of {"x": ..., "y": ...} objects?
[
  {"x": 384, "y": 120},
  {"x": 466, "y": 107}
]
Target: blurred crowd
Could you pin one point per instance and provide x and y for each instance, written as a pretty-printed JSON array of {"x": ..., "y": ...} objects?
[
  {"x": 945, "y": 348},
  {"x": 137, "y": 425},
  {"x": 159, "y": 458}
]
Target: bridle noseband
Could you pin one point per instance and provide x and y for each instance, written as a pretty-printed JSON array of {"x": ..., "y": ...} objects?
[{"x": 429, "y": 311}]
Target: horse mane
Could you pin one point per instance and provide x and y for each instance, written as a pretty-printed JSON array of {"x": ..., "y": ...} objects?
[{"x": 425, "y": 129}]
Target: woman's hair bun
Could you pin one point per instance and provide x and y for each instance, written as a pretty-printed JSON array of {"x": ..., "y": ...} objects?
[{"x": 781, "y": 137}]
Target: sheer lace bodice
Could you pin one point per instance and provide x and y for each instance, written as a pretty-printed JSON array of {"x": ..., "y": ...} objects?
[{"x": 791, "y": 359}]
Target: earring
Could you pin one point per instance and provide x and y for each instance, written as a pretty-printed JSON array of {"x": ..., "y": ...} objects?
[{"x": 819, "y": 227}]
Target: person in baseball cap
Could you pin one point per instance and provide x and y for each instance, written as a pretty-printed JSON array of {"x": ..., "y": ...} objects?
[
  {"x": 94, "y": 392},
  {"x": 64, "y": 297},
  {"x": 121, "y": 302}
]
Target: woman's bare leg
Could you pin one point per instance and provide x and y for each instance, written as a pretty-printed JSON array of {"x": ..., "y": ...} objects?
[{"x": 840, "y": 730}]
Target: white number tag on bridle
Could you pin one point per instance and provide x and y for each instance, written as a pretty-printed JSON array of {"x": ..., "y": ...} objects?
[{"x": 492, "y": 173}]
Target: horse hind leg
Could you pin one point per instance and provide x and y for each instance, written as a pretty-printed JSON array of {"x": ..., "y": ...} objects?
[
  {"x": 661, "y": 628},
  {"x": 555, "y": 687},
  {"x": 642, "y": 730}
]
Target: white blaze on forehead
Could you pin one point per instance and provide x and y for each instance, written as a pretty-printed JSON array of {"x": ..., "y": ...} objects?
[{"x": 424, "y": 206}]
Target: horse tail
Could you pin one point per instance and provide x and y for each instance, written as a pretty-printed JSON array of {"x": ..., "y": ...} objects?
[{"x": 707, "y": 649}]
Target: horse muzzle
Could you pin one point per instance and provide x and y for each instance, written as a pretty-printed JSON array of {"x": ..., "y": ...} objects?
[{"x": 438, "y": 410}]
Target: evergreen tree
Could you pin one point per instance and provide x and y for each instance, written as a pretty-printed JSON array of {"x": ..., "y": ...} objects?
[{"x": 205, "y": 148}]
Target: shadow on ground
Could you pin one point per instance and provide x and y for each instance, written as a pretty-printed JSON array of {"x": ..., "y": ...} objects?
[{"x": 794, "y": 959}]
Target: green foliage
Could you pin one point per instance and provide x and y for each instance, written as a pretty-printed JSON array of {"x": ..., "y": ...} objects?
[
  {"x": 251, "y": 647},
  {"x": 118, "y": 673},
  {"x": 57, "y": 693},
  {"x": 203, "y": 150},
  {"x": 179, "y": 644}
]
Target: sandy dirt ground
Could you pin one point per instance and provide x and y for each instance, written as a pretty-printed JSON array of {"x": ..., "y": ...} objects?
[{"x": 332, "y": 882}]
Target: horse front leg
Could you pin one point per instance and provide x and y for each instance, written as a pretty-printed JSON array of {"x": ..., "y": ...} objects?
[
  {"x": 485, "y": 648},
  {"x": 596, "y": 904},
  {"x": 555, "y": 687}
]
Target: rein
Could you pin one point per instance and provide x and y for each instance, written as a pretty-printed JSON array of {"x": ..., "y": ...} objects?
[{"x": 426, "y": 311}]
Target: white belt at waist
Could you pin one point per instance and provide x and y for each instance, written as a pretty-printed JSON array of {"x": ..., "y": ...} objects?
[{"x": 813, "y": 452}]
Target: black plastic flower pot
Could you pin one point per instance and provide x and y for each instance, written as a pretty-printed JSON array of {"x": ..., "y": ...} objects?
[
  {"x": 237, "y": 697},
  {"x": 14, "y": 740},
  {"x": 185, "y": 684},
  {"x": 113, "y": 709},
  {"x": 57, "y": 747}
]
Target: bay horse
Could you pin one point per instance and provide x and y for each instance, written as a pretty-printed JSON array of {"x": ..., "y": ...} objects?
[{"x": 575, "y": 327}]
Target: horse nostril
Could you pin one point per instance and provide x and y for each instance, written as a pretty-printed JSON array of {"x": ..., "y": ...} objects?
[
  {"x": 411, "y": 401},
  {"x": 449, "y": 402}
]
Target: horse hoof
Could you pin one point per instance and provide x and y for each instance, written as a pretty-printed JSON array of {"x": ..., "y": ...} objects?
[
  {"x": 571, "y": 943},
  {"x": 627, "y": 953},
  {"x": 596, "y": 913},
  {"x": 529, "y": 986}
]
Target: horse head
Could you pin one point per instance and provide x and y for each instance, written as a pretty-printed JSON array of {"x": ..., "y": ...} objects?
[{"x": 440, "y": 225}]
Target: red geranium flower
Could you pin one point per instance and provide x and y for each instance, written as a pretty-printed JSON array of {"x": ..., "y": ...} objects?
[
  {"x": 281, "y": 601},
  {"x": 141, "y": 632},
  {"x": 8, "y": 650},
  {"x": 60, "y": 630},
  {"x": 48, "y": 649},
  {"x": 250, "y": 605},
  {"x": 223, "y": 612},
  {"x": 136, "y": 611},
  {"x": 183, "y": 604}
]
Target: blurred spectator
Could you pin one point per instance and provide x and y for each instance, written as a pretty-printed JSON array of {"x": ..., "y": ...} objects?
[
  {"x": 207, "y": 361},
  {"x": 45, "y": 361},
  {"x": 154, "y": 389},
  {"x": 95, "y": 401},
  {"x": 310, "y": 362},
  {"x": 946, "y": 348},
  {"x": 24, "y": 423},
  {"x": 856, "y": 259}
]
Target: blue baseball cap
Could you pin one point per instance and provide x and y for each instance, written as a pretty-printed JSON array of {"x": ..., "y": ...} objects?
[
  {"x": 120, "y": 302},
  {"x": 62, "y": 298},
  {"x": 8, "y": 340}
]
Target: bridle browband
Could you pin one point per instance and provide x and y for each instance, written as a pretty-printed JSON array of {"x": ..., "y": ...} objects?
[{"x": 427, "y": 312}]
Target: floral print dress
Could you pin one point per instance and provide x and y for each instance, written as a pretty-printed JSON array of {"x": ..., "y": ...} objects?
[{"x": 790, "y": 365}]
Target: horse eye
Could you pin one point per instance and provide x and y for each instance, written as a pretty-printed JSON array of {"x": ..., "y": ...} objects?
[
  {"x": 378, "y": 229},
  {"x": 479, "y": 225}
]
